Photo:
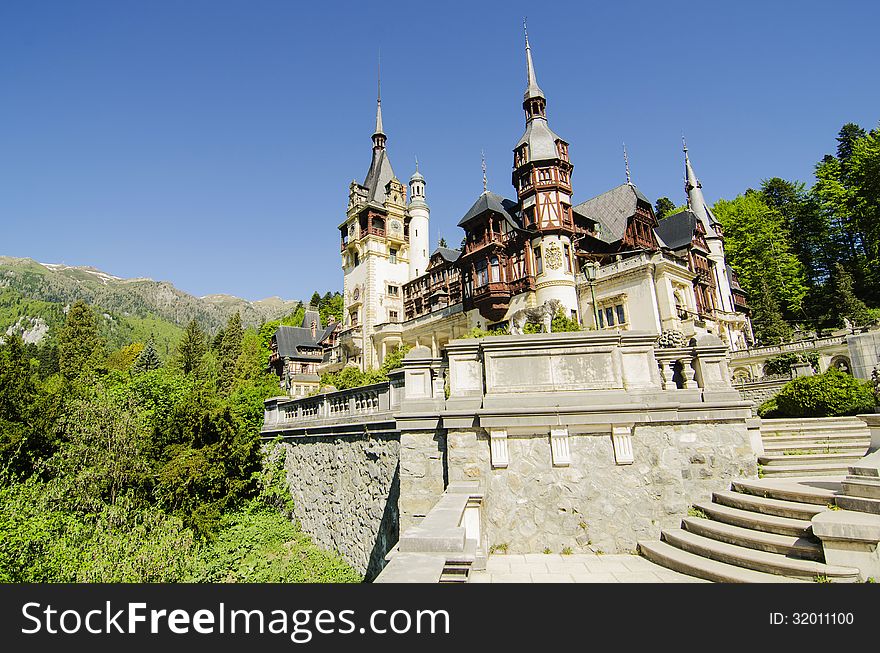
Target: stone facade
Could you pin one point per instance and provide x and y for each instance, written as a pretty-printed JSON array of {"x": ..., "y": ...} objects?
[
  {"x": 593, "y": 503},
  {"x": 345, "y": 493}
]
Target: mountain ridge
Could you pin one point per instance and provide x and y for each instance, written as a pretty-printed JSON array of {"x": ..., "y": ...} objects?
[{"x": 141, "y": 297}]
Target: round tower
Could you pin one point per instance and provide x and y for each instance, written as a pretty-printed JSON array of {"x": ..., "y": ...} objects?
[{"x": 419, "y": 229}]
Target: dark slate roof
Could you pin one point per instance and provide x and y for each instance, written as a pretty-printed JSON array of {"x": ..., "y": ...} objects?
[
  {"x": 677, "y": 230},
  {"x": 611, "y": 210},
  {"x": 490, "y": 201},
  {"x": 379, "y": 175},
  {"x": 731, "y": 276},
  {"x": 448, "y": 254},
  {"x": 311, "y": 315},
  {"x": 541, "y": 140},
  {"x": 291, "y": 339}
]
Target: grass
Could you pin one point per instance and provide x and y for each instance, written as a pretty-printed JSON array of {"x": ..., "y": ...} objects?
[
  {"x": 566, "y": 551},
  {"x": 498, "y": 548},
  {"x": 547, "y": 551},
  {"x": 696, "y": 512},
  {"x": 821, "y": 579}
]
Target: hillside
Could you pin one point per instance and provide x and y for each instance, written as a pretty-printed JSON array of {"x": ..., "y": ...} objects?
[{"x": 134, "y": 300}]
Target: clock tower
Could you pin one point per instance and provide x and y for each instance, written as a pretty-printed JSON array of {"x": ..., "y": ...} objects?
[{"x": 375, "y": 250}]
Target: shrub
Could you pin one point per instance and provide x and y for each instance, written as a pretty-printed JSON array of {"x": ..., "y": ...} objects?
[{"x": 825, "y": 395}]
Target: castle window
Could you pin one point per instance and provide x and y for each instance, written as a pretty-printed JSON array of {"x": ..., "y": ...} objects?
[
  {"x": 567, "y": 258},
  {"x": 482, "y": 274},
  {"x": 392, "y": 316},
  {"x": 393, "y": 291},
  {"x": 393, "y": 255},
  {"x": 495, "y": 270},
  {"x": 539, "y": 264},
  {"x": 356, "y": 260}
]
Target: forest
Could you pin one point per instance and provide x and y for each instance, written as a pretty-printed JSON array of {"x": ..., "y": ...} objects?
[
  {"x": 809, "y": 257},
  {"x": 119, "y": 466}
]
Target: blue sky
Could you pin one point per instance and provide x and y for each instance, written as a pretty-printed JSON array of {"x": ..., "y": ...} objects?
[{"x": 211, "y": 143}]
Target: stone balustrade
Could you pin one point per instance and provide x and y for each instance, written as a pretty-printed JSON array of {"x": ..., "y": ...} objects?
[
  {"x": 364, "y": 404},
  {"x": 801, "y": 345}
]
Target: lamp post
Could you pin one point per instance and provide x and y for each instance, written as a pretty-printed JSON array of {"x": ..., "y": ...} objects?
[{"x": 591, "y": 269}]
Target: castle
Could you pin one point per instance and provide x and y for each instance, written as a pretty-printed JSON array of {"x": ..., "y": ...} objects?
[{"x": 607, "y": 262}]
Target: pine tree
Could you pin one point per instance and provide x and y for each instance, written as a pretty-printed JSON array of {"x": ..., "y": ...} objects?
[
  {"x": 662, "y": 207},
  {"x": 148, "y": 360},
  {"x": 79, "y": 345},
  {"x": 767, "y": 321},
  {"x": 316, "y": 299},
  {"x": 847, "y": 304},
  {"x": 229, "y": 351},
  {"x": 191, "y": 348}
]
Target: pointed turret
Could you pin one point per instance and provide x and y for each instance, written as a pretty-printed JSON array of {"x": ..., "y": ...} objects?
[
  {"x": 380, "y": 172},
  {"x": 533, "y": 90},
  {"x": 696, "y": 202}
]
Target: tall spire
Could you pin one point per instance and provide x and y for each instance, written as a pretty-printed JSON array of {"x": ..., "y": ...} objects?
[
  {"x": 694, "y": 190},
  {"x": 626, "y": 163},
  {"x": 379, "y": 134},
  {"x": 485, "y": 180},
  {"x": 533, "y": 90}
]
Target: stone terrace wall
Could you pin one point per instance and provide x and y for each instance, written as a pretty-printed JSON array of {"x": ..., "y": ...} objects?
[
  {"x": 593, "y": 504},
  {"x": 760, "y": 391},
  {"x": 345, "y": 491}
]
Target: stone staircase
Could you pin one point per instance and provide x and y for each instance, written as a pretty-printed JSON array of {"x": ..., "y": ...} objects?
[
  {"x": 812, "y": 446},
  {"x": 759, "y": 531}
]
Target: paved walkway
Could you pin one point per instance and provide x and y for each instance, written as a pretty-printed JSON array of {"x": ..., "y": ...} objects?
[{"x": 575, "y": 568}]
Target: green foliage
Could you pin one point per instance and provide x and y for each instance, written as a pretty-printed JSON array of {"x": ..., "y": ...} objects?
[
  {"x": 228, "y": 350},
  {"x": 79, "y": 346},
  {"x": 353, "y": 377},
  {"x": 663, "y": 207},
  {"x": 757, "y": 245},
  {"x": 191, "y": 349},
  {"x": 122, "y": 360},
  {"x": 147, "y": 360},
  {"x": 782, "y": 363},
  {"x": 829, "y": 394},
  {"x": 477, "y": 332},
  {"x": 260, "y": 546},
  {"x": 846, "y": 303}
]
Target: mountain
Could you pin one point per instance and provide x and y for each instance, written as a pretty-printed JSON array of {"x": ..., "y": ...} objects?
[{"x": 34, "y": 297}]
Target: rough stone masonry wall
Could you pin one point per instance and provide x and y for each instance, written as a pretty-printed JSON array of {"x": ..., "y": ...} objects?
[
  {"x": 761, "y": 391},
  {"x": 345, "y": 492},
  {"x": 595, "y": 504}
]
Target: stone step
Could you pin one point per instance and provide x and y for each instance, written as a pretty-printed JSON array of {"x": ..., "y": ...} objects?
[
  {"x": 755, "y": 520},
  {"x": 683, "y": 562},
  {"x": 817, "y": 469},
  {"x": 785, "y": 490},
  {"x": 843, "y": 436},
  {"x": 861, "y": 487},
  {"x": 807, "y": 459},
  {"x": 859, "y": 504},
  {"x": 857, "y": 448},
  {"x": 770, "y": 563},
  {"x": 767, "y": 506},
  {"x": 788, "y": 545},
  {"x": 794, "y": 423}
]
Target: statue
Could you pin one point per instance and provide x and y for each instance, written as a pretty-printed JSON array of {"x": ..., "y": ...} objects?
[{"x": 542, "y": 314}]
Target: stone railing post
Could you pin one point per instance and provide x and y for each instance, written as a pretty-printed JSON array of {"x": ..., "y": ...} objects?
[{"x": 465, "y": 374}]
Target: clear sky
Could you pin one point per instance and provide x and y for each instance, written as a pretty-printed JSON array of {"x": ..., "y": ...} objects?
[{"x": 211, "y": 143}]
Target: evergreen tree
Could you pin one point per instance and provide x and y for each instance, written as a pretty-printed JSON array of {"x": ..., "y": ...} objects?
[
  {"x": 79, "y": 345},
  {"x": 148, "y": 360},
  {"x": 229, "y": 351},
  {"x": 662, "y": 207},
  {"x": 847, "y": 305},
  {"x": 442, "y": 242},
  {"x": 191, "y": 348},
  {"x": 767, "y": 321},
  {"x": 316, "y": 299},
  {"x": 846, "y": 139}
]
